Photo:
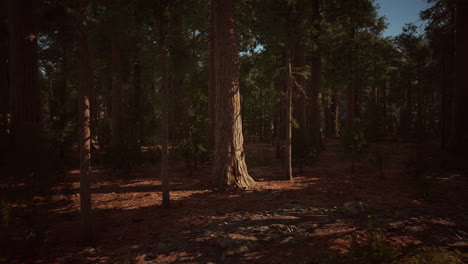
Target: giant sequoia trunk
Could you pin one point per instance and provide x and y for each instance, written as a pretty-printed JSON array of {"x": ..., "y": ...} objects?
[
  {"x": 24, "y": 88},
  {"x": 85, "y": 135},
  {"x": 230, "y": 169}
]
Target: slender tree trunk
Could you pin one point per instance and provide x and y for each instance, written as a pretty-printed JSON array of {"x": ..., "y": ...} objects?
[
  {"x": 409, "y": 106},
  {"x": 337, "y": 116},
  {"x": 230, "y": 169},
  {"x": 299, "y": 94},
  {"x": 331, "y": 122},
  {"x": 316, "y": 83},
  {"x": 24, "y": 82},
  {"x": 4, "y": 80},
  {"x": 116, "y": 137},
  {"x": 164, "y": 106},
  {"x": 137, "y": 101},
  {"x": 211, "y": 84},
  {"x": 85, "y": 134},
  {"x": 289, "y": 87}
]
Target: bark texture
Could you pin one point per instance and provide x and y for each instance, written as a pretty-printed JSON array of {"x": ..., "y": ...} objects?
[
  {"x": 24, "y": 83},
  {"x": 289, "y": 87},
  {"x": 164, "y": 106},
  {"x": 316, "y": 83},
  {"x": 211, "y": 84},
  {"x": 85, "y": 136},
  {"x": 459, "y": 142},
  {"x": 229, "y": 168},
  {"x": 116, "y": 129}
]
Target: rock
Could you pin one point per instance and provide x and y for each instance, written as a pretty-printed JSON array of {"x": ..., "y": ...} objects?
[{"x": 353, "y": 208}]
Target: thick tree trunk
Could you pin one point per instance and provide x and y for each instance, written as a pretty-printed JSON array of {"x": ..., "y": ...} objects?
[
  {"x": 164, "y": 107},
  {"x": 85, "y": 135},
  {"x": 230, "y": 169},
  {"x": 24, "y": 82}
]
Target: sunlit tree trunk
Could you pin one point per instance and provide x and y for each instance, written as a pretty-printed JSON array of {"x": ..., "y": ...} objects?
[
  {"x": 85, "y": 134},
  {"x": 230, "y": 169}
]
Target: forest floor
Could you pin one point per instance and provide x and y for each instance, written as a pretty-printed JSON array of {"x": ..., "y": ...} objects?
[{"x": 327, "y": 215}]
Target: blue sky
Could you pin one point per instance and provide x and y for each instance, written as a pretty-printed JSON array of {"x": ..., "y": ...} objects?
[{"x": 399, "y": 12}]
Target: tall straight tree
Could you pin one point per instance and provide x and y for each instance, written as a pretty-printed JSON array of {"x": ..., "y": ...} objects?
[
  {"x": 117, "y": 85},
  {"x": 85, "y": 133},
  {"x": 164, "y": 102},
  {"x": 24, "y": 82},
  {"x": 316, "y": 83},
  {"x": 289, "y": 118},
  {"x": 4, "y": 84},
  {"x": 212, "y": 83},
  {"x": 288, "y": 97},
  {"x": 229, "y": 168}
]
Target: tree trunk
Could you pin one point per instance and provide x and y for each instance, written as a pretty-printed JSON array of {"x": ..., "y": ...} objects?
[
  {"x": 211, "y": 84},
  {"x": 316, "y": 83},
  {"x": 24, "y": 76},
  {"x": 137, "y": 102},
  {"x": 85, "y": 135},
  {"x": 164, "y": 106},
  {"x": 116, "y": 137},
  {"x": 230, "y": 169},
  {"x": 4, "y": 80},
  {"x": 459, "y": 143},
  {"x": 289, "y": 87}
]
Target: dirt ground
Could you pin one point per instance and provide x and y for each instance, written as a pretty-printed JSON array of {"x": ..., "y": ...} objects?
[{"x": 327, "y": 215}]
